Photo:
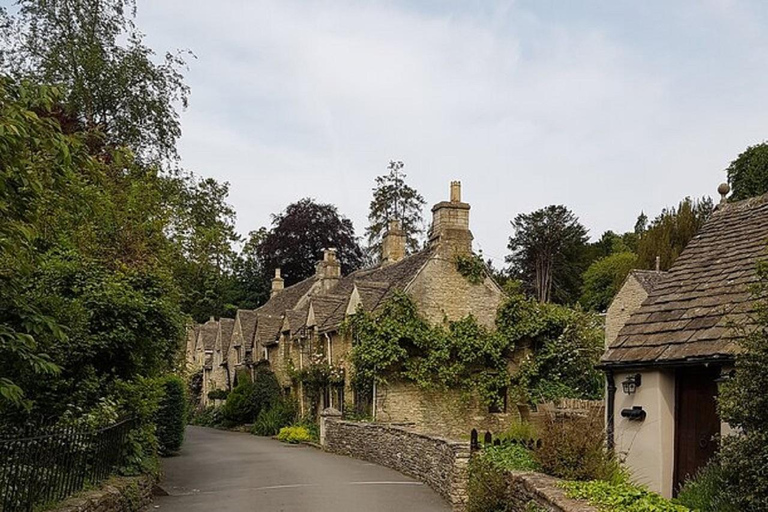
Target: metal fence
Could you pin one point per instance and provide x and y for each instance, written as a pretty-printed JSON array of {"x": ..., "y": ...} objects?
[
  {"x": 57, "y": 462},
  {"x": 476, "y": 444}
]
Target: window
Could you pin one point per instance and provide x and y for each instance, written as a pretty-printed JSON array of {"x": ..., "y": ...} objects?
[{"x": 501, "y": 404}]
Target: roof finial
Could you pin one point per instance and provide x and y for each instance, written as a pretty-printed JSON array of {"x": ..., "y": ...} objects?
[{"x": 723, "y": 190}]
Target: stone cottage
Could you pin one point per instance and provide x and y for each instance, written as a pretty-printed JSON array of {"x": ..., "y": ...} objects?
[{"x": 667, "y": 355}]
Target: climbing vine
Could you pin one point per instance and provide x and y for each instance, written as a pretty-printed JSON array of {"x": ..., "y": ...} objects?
[
  {"x": 472, "y": 267},
  {"x": 315, "y": 376}
]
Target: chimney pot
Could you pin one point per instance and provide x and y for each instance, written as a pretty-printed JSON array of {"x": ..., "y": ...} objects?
[
  {"x": 278, "y": 283},
  {"x": 455, "y": 191},
  {"x": 450, "y": 225}
]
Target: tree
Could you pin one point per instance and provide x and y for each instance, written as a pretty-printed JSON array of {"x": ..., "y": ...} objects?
[
  {"x": 393, "y": 199},
  {"x": 301, "y": 232},
  {"x": 252, "y": 279},
  {"x": 743, "y": 404},
  {"x": 110, "y": 79},
  {"x": 547, "y": 253},
  {"x": 671, "y": 231},
  {"x": 603, "y": 279},
  {"x": 748, "y": 174}
]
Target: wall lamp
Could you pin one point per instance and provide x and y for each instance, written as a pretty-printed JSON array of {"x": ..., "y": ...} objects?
[{"x": 631, "y": 383}]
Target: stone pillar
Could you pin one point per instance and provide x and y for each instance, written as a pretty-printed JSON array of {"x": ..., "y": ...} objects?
[
  {"x": 328, "y": 414},
  {"x": 277, "y": 283},
  {"x": 393, "y": 244}
]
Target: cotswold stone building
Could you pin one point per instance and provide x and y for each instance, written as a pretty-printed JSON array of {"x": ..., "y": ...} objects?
[
  {"x": 671, "y": 342},
  {"x": 300, "y": 326}
]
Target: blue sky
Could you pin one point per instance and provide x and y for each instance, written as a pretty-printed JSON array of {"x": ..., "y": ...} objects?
[{"x": 609, "y": 107}]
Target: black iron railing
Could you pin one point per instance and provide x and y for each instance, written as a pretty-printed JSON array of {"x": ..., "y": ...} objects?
[{"x": 57, "y": 462}]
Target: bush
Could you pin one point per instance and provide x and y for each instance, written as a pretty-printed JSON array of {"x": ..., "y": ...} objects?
[
  {"x": 248, "y": 399},
  {"x": 511, "y": 457},
  {"x": 171, "y": 415},
  {"x": 140, "y": 399},
  {"x": 218, "y": 394},
  {"x": 573, "y": 448},
  {"x": 312, "y": 427},
  {"x": 520, "y": 431},
  {"x": 270, "y": 421},
  {"x": 621, "y": 497},
  {"x": 487, "y": 486},
  {"x": 293, "y": 435},
  {"x": 210, "y": 416},
  {"x": 704, "y": 492}
]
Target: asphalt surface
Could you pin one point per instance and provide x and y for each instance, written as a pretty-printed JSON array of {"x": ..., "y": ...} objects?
[{"x": 220, "y": 471}]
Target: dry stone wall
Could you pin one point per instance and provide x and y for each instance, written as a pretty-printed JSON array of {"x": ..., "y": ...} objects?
[
  {"x": 119, "y": 494},
  {"x": 440, "y": 463},
  {"x": 534, "y": 491}
]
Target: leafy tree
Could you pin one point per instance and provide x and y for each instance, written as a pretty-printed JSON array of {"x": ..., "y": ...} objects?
[
  {"x": 547, "y": 253},
  {"x": 748, "y": 174},
  {"x": 301, "y": 232},
  {"x": 252, "y": 279},
  {"x": 671, "y": 231},
  {"x": 603, "y": 279},
  {"x": 393, "y": 199},
  {"x": 110, "y": 79}
]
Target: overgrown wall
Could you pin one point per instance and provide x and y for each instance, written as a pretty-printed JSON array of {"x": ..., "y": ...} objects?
[
  {"x": 119, "y": 494},
  {"x": 526, "y": 489},
  {"x": 440, "y": 463}
]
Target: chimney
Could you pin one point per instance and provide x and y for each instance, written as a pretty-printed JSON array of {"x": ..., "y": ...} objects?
[
  {"x": 278, "y": 283},
  {"x": 328, "y": 270},
  {"x": 450, "y": 232},
  {"x": 393, "y": 244}
]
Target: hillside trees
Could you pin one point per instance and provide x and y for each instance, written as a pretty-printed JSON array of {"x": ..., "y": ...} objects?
[{"x": 394, "y": 199}]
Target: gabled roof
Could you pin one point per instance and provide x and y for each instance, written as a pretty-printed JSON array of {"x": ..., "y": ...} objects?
[
  {"x": 322, "y": 306},
  {"x": 208, "y": 333},
  {"x": 268, "y": 328},
  {"x": 294, "y": 320},
  {"x": 289, "y": 298},
  {"x": 648, "y": 279},
  {"x": 227, "y": 326},
  {"x": 691, "y": 312},
  {"x": 248, "y": 318}
]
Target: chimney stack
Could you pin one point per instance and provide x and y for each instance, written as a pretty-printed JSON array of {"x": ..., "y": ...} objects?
[
  {"x": 393, "y": 244},
  {"x": 328, "y": 270},
  {"x": 450, "y": 232},
  {"x": 278, "y": 283}
]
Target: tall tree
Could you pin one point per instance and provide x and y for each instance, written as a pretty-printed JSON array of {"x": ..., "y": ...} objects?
[
  {"x": 394, "y": 199},
  {"x": 603, "y": 279},
  {"x": 671, "y": 231},
  {"x": 112, "y": 83},
  {"x": 301, "y": 232},
  {"x": 548, "y": 253},
  {"x": 748, "y": 174},
  {"x": 252, "y": 278}
]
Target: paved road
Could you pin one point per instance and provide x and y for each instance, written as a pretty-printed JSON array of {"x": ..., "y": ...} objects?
[{"x": 221, "y": 471}]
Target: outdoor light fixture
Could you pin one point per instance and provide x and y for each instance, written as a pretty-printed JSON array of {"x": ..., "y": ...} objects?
[
  {"x": 631, "y": 383},
  {"x": 634, "y": 414}
]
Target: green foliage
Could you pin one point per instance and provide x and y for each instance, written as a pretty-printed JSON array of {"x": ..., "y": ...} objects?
[
  {"x": 573, "y": 448},
  {"x": 486, "y": 487},
  {"x": 281, "y": 414},
  {"x": 604, "y": 278},
  {"x": 705, "y": 491},
  {"x": 301, "y": 232},
  {"x": 172, "y": 415},
  {"x": 294, "y": 435},
  {"x": 520, "y": 431},
  {"x": 511, "y": 457},
  {"x": 210, "y": 416},
  {"x": 743, "y": 404},
  {"x": 548, "y": 253},
  {"x": 394, "y": 200},
  {"x": 748, "y": 174},
  {"x": 398, "y": 342},
  {"x": 249, "y": 398},
  {"x": 671, "y": 231},
  {"x": 140, "y": 399},
  {"x": 218, "y": 394},
  {"x": 472, "y": 267},
  {"x": 620, "y": 497},
  {"x": 567, "y": 344}
]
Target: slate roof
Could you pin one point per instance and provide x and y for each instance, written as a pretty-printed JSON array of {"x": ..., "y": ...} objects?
[
  {"x": 648, "y": 279},
  {"x": 288, "y": 298},
  {"x": 268, "y": 328},
  {"x": 227, "y": 326},
  {"x": 324, "y": 305},
  {"x": 248, "y": 318},
  {"x": 208, "y": 333},
  {"x": 691, "y": 312}
]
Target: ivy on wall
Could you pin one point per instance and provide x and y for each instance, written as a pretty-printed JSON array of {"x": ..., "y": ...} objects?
[{"x": 472, "y": 267}]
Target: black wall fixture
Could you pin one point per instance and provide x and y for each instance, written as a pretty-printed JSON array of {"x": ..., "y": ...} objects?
[{"x": 636, "y": 413}]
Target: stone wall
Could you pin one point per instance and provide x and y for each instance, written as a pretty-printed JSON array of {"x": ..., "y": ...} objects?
[
  {"x": 448, "y": 413},
  {"x": 118, "y": 494},
  {"x": 440, "y": 463},
  {"x": 526, "y": 491},
  {"x": 627, "y": 300}
]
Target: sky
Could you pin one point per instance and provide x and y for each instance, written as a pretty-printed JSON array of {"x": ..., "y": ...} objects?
[{"x": 609, "y": 107}]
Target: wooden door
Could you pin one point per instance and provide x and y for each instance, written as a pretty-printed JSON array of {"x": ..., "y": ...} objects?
[{"x": 696, "y": 421}]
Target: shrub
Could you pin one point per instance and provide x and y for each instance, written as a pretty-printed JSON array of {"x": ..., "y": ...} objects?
[
  {"x": 293, "y": 435},
  {"x": 248, "y": 399},
  {"x": 573, "y": 448},
  {"x": 621, "y": 497},
  {"x": 511, "y": 457},
  {"x": 139, "y": 399},
  {"x": 312, "y": 427},
  {"x": 486, "y": 488},
  {"x": 210, "y": 416},
  {"x": 171, "y": 415},
  {"x": 218, "y": 394},
  {"x": 704, "y": 492},
  {"x": 520, "y": 431},
  {"x": 270, "y": 421}
]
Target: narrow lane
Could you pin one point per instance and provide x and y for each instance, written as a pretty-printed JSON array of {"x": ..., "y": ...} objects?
[{"x": 222, "y": 471}]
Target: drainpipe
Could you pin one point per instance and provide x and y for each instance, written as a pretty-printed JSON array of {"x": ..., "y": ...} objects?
[{"x": 609, "y": 410}]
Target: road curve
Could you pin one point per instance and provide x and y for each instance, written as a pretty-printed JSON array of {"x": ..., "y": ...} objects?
[{"x": 222, "y": 471}]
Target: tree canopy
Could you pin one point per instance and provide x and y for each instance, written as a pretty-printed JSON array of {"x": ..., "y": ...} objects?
[
  {"x": 748, "y": 174},
  {"x": 301, "y": 232},
  {"x": 394, "y": 199},
  {"x": 547, "y": 253}
]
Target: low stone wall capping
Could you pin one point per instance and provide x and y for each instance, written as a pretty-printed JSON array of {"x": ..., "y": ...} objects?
[
  {"x": 440, "y": 463},
  {"x": 118, "y": 494},
  {"x": 526, "y": 488}
]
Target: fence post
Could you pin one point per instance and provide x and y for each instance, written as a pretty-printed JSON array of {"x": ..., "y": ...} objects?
[
  {"x": 488, "y": 438},
  {"x": 474, "y": 441}
]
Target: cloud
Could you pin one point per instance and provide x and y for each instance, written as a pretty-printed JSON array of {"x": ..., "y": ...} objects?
[{"x": 526, "y": 104}]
